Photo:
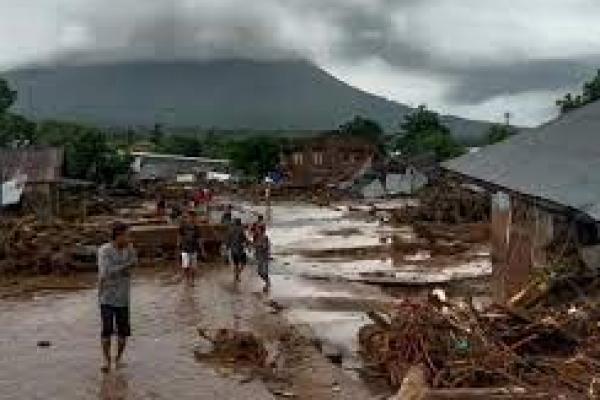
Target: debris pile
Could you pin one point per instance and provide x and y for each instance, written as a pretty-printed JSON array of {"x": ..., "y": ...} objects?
[
  {"x": 446, "y": 202},
  {"x": 159, "y": 241},
  {"x": 441, "y": 239},
  {"x": 463, "y": 348},
  {"x": 239, "y": 347},
  {"x": 32, "y": 247}
]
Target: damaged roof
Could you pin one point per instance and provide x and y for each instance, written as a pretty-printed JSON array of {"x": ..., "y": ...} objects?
[{"x": 559, "y": 162}]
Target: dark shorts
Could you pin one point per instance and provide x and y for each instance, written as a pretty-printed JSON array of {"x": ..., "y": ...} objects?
[
  {"x": 110, "y": 316},
  {"x": 239, "y": 258}
]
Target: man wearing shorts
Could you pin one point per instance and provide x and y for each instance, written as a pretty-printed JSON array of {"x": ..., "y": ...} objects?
[
  {"x": 262, "y": 251},
  {"x": 115, "y": 260},
  {"x": 237, "y": 242},
  {"x": 190, "y": 245}
]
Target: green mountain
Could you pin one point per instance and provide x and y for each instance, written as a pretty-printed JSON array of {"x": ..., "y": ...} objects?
[{"x": 226, "y": 94}]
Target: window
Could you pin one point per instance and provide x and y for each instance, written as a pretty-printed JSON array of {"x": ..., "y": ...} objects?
[
  {"x": 298, "y": 158},
  {"x": 318, "y": 158}
]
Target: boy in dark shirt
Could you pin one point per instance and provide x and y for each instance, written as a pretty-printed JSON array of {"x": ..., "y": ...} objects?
[
  {"x": 237, "y": 242},
  {"x": 190, "y": 245}
]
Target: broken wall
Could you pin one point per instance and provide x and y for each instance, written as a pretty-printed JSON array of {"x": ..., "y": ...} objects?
[{"x": 521, "y": 233}]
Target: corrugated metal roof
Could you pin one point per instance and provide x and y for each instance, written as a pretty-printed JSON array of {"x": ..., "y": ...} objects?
[
  {"x": 559, "y": 162},
  {"x": 176, "y": 157}
]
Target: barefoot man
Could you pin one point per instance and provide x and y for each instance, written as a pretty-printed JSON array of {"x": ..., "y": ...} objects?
[{"x": 115, "y": 260}]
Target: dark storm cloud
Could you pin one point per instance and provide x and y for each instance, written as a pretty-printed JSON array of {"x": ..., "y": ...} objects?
[
  {"x": 479, "y": 83},
  {"x": 373, "y": 35},
  {"x": 473, "y": 51}
]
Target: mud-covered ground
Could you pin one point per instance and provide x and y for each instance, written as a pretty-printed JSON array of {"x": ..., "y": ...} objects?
[
  {"x": 310, "y": 321},
  {"x": 160, "y": 357}
]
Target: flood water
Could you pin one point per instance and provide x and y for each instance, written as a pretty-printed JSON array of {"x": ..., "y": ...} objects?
[{"x": 316, "y": 292}]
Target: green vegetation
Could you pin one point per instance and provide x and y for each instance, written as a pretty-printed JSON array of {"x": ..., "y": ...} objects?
[
  {"x": 422, "y": 133},
  {"x": 13, "y": 128},
  {"x": 363, "y": 128},
  {"x": 590, "y": 93},
  {"x": 7, "y": 97},
  {"x": 189, "y": 146},
  {"x": 255, "y": 156},
  {"x": 101, "y": 155},
  {"x": 89, "y": 154},
  {"x": 500, "y": 132}
]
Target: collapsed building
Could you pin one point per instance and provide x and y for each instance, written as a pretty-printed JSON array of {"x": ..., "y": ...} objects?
[
  {"x": 32, "y": 174},
  {"x": 545, "y": 199},
  {"x": 326, "y": 159}
]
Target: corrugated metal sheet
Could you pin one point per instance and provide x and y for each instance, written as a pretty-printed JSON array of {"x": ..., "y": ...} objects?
[
  {"x": 11, "y": 191},
  {"x": 558, "y": 162}
]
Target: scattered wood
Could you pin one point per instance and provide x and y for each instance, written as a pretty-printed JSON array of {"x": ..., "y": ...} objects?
[{"x": 461, "y": 348}]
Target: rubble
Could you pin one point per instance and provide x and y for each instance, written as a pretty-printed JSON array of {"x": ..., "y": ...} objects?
[
  {"x": 446, "y": 201},
  {"x": 159, "y": 241},
  {"x": 239, "y": 347},
  {"x": 32, "y": 247},
  {"x": 498, "y": 347}
]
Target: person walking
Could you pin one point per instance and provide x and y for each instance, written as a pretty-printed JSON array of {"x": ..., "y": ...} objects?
[
  {"x": 237, "y": 242},
  {"x": 190, "y": 244},
  {"x": 262, "y": 253},
  {"x": 115, "y": 260},
  {"x": 227, "y": 220},
  {"x": 227, "y": 216},
  {"x": 258, "y": 227}
]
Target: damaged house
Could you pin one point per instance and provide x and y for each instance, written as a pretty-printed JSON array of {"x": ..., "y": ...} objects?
[
  {"x": 30, "y": 170},
  {"x": 326, "y": 159},
  {"x": 545, "y": 188}
]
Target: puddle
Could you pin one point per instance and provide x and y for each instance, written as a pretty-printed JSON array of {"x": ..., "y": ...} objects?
[
  {"x": 324, "y": 258},
  {"x": 336, "y": 330}
]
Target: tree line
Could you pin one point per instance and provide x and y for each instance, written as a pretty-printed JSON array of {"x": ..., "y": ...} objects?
[
  {"x": 590, "y": 92},
  {"x": 102, "y": 155}
]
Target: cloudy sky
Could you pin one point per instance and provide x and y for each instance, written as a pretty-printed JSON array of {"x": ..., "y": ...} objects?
[{"x": 475, "y": 58}]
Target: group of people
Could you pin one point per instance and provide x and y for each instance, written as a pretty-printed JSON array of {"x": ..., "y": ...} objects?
[
  {"x": 117, "y": 257},
  {"x": 236, "y": 246},
  {"x": 200, "y": 201},
  {"x": 239, "y": 241}
]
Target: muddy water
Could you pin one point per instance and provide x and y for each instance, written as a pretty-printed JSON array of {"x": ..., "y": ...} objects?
[
  {"x": 317, "y": 292},
  {"x": 324, "y": 291},
  {"x": 160, "y": 363}
]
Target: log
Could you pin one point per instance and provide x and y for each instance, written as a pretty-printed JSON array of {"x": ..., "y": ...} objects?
[{"x": 485, "y": 394}]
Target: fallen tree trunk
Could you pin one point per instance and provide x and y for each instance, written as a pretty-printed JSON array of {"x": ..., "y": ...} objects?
[{"x": 484, "y": 394}]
